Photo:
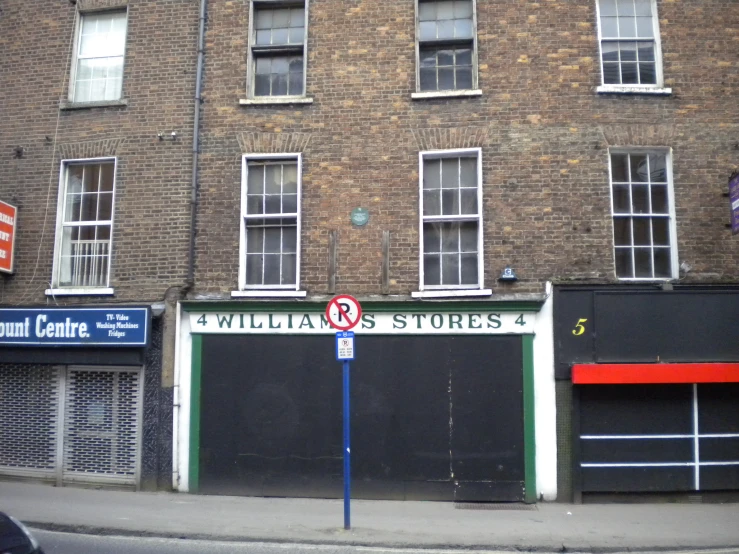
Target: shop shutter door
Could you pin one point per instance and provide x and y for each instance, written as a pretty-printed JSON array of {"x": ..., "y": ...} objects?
[
  {"x": 29, "y": 407},
  {"x": 101, "y": 425}
]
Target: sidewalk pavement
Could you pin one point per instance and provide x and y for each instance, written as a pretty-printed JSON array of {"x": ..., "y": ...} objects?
[{"x": 546, "y": 527}]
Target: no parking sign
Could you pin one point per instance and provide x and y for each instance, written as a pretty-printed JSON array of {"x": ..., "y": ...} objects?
[{"x": 343, "y": 312}]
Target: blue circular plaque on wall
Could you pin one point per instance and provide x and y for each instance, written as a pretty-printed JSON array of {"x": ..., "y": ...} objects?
[{"x": 360, "y": 217}]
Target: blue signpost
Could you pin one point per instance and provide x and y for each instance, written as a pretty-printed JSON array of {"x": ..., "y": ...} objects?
[
  {"x": 343, "y": 313},
  {"x": 345, "y": 353}
]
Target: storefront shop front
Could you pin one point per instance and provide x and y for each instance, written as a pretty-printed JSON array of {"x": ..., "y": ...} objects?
[
  {"x": 72, "y": 394},
  {"x": 654, "y": 381},
  {"x": 442, "y": 401}
]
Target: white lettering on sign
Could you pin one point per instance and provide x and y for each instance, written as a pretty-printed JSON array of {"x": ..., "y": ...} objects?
[
  {"x": 66, "y": 329},
  {"x": 3, "y": 253},
  {"x": 5, "y": 218},
  {"x": 16, "y": 329},
  {"x": 370, "y": 323},
  {"x": 4, "y": 236}
]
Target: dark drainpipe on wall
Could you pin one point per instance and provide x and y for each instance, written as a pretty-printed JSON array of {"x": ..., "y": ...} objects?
[{"x": 195, "y": 147}]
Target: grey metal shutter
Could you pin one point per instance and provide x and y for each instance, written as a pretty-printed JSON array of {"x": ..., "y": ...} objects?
[
  {"x": 102, "y": 416},
  {"x": 29, "y": 421}
]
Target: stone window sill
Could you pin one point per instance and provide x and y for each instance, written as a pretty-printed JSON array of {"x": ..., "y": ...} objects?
[
  {"x": 445, "y": 94},
  {"x": 268, "y": 294},
  {"x": 617, "y": 89},
  {"x": 80, "y": 292},
  {"x": 275, "y": 100},
  {"x": 451, "y": 293},
  {"x": 96, "y": 104}
]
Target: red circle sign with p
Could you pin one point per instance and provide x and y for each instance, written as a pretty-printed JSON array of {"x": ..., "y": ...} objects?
[{"x": 343, "y": 312}]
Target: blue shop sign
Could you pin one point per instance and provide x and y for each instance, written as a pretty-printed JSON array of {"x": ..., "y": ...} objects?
[{"x": 75, "y": 327}]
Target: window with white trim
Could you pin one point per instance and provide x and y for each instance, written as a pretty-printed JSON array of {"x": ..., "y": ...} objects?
[
  {"x": 97, "y": 70},
  {"x": 270, "y": 222},
  {"x": 277, "y": 49},
  {"x": 451, "y": 220},
  {"x": 629, "y": 43},
  {"x": 644, "y": 236},
  {"x": 446, "y": 41},
  {"x": 84, "y": 224}
]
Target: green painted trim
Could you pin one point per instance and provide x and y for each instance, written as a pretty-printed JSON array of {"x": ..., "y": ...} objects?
[
  {"x": 529, "y": 427},
  {"x": 195, "y": 378},
  {"x": 405, "y": 307}
]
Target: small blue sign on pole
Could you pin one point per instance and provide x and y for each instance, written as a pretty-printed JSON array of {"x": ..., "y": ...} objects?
[{"x": 344, "y": 345}]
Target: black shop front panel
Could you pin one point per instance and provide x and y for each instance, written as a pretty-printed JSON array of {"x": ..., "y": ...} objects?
[{"x": 432, "y": 417}]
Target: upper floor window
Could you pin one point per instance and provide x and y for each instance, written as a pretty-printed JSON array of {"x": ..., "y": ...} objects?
[
  {"x": 629, "y": 43},
  {"x": 451, "y": 220},
  {"x": 643, "y": 215},
  {"x": 446, "y": 41},
  {"x": 270, "y": 222},
  {"x": 277, "y": 52},
  {"x": 97, "y": 73},
  {"x": 84, "y": 224}
]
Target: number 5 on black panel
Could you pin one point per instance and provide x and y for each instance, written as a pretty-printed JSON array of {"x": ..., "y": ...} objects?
[{"x": 579, "y": 327}]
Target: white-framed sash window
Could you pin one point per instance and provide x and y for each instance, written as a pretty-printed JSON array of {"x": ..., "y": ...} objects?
[
  {"x": 643, "y": 208},
  {"x": 446, "y": 46},
  {"x": 97, "y": 69},
  {"x": 451, "y": 255},
  {"x": 630, "y": 52},
  {"x": 84, "y": 230},
  {"x": 277, "y": 49},
  {"x": 270, "y": 222}
]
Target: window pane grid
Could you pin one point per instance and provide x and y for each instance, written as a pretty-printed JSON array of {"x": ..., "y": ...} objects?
[
  {"x": 446, "y": 68},
  {"x": 278, "y": 51},
  {"x": 446, "y": 41},
  {"x": 628, "y": 42},
  {"x": 84, "y": 255},
  {"x": 641, "y": 216},
  {"x": 99, "y": 69},
  {"x": 278, "y": 75},
  {"x": 451, "y": 222},
  {"x": 280, "y": 26},
  {"x": 446, "y": 19},
  {"x": 271, "y": 224}
]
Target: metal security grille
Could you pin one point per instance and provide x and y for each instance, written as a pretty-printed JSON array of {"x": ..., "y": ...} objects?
[
  {"x": 101, "y": 425},
  {"x": 29, "y": 405}
]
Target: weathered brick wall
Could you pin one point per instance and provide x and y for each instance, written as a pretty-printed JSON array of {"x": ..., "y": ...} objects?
[
  {"x": 543, "y": 130},
  {"x": 152, "y": 214}
]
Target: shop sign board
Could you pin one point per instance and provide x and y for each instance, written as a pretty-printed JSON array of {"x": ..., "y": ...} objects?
[
  {"x": 8, "y": 218},
  {"x": 369, "y": 323},
  {"x": 74, "y": 327}
]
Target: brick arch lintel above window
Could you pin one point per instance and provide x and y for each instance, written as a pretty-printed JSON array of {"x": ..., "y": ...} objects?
[
  {"x": 89, "y": 149},
  {"x": 450, "y": 138},
  {"x": 272, "y": 143},
  {"x": 96, "y": 5},
  {"x": 639, "y": 135}
]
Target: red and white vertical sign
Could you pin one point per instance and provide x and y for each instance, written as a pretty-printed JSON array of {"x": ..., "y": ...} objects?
[{"x": 8, "y": 217}]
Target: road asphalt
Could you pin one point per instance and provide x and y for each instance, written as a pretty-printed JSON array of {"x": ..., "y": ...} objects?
[{"x": 545, "y": 527}]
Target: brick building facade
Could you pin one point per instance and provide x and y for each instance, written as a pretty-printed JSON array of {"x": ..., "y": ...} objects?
[
  {"x": 584, "y": 145},
  {"x": 548, "y": 98},
  {"x": 87, "y": 88}
]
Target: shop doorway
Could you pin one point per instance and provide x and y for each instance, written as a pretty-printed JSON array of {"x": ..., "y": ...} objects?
[{"x": 71, "y": 424}]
